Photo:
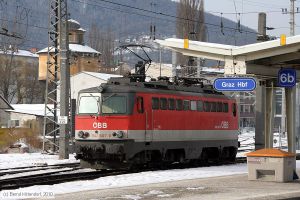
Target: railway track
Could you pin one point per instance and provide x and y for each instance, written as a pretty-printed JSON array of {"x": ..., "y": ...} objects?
[
  {"x": 72, "y": 173},
  {"x": 17, "y": 170},
  {"x": 53, "y": 178}
]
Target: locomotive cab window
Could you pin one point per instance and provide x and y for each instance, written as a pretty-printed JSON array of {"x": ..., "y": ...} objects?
[
  {"x": 114, "y": 104},
  {"x": 178, "y": 104},
  {"x": 88, "y": 103},
  {"x": 140, "y": 105},
  {"x": 155, "y": 103},
  {"x": 163, "y": 104}
]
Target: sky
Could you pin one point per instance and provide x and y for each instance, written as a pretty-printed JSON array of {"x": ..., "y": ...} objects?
[{"x": 249, "y": 13}]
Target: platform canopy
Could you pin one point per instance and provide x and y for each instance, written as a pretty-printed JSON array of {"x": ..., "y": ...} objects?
[{"x": 262, "y": 59}]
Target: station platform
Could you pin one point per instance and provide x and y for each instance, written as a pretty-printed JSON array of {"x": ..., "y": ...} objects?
[{"x": 233, "y": 187}]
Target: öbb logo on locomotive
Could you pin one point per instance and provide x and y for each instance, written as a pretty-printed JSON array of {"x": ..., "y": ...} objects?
[{"x": 99, "y": 125}]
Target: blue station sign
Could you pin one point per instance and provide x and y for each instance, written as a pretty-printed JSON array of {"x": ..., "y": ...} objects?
[
  {"x": 287, "y": 77},
  {"x": 234, "y": 84}
]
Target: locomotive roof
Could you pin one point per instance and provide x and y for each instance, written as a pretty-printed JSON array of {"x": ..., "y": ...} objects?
[{"x": 124, "y": 85}]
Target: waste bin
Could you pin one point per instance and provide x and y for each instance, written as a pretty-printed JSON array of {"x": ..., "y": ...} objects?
[{"x": 271, "y": 165}]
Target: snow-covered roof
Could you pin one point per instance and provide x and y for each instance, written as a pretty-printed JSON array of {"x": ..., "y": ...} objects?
[
  {"x": 21, "y": 53},
  {"x": 82, "y": 48},
  {"x": 81, "y": 29},
  {"x": 74, "y": 48},
  {"x": 73, "y": 21},
  {"x": 102, "y": 76},
  {"x": 30, "y": 109}
]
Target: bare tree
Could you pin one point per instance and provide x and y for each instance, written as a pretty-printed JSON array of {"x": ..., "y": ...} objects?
[
  {"x": 103, "y": 41},
  {"x": 190, "y": 24},
  {"x": 18, "y": 77},
  {"x": 7, "y": 75},
  {"x": 29, "y": 90}
]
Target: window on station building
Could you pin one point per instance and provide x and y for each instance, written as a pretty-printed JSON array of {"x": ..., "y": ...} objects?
[
  {"x": 171, "y": 103},
  {"x": 163, "y": 104},
  {"x": 242, "y": 108},
  {"x": 193, "y": 105},
  {"x": 186, "y": 105},
  {"x": 200, "y": 106},
  {"x": 155, "y": 103},
  {"x": 252, "y": 108},
  {"x": 179, "y": 104}
]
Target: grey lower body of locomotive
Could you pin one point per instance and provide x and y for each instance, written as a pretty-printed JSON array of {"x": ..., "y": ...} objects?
[{"x": 114, "y": 154}]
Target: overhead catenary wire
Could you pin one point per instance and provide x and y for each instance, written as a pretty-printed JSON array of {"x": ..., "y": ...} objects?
[
  {"x": 214, "y": 26},
  {"x": 154, "y": 12}
]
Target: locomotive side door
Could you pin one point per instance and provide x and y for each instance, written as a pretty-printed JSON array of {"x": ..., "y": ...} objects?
[
  {"x": 149, "y": 120},
  {"x": 146, "y": 119}
]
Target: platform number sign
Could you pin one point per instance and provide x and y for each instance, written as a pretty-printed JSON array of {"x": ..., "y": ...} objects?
[{"x": 287, "y": 77}]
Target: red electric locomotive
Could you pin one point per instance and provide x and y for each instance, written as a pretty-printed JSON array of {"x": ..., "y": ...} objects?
[{"x": 124, "y": 123}]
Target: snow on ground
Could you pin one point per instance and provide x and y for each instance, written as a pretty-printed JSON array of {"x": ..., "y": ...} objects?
[
  {"x": 31, "y": 159},
  {"x": 133, "y": 179},
  {"x": 137, "y": 179}
]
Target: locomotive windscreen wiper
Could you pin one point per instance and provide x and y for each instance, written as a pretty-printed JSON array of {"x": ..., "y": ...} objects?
[{"x": 104, "y": 99}]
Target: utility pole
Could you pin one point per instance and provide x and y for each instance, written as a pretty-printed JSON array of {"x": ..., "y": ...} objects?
[
  {"x": 292, "y": 13},
  {"x": 51, "y": 127},
  {"x": 290, "y": 93},
  {"x": 292, "y": 18},
  {"x": 58, "y": 47},
  {"x": 174, "y": 63},
  {"x": 260, "y": 92},
  {"x": 64, "y": 80}
]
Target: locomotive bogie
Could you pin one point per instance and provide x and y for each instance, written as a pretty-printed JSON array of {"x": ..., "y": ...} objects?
[{"x": 105, "y": 155}]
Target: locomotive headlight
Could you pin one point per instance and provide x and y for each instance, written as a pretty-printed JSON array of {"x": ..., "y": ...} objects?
[
  {"x": 81, "y": 134},
  {"x": 86, "y": 134}
]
